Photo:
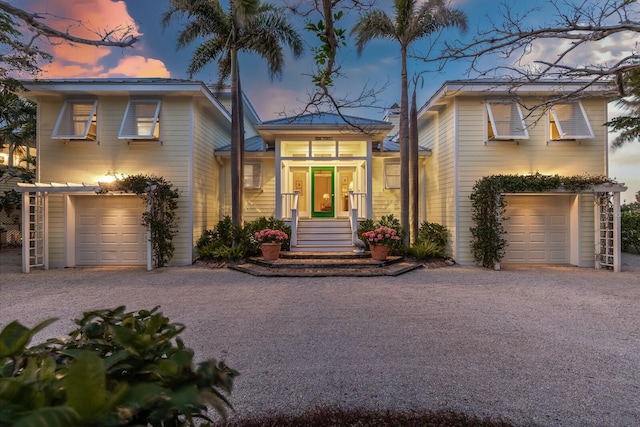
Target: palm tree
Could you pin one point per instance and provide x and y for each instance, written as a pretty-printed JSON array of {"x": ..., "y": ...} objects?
[
  {"x": 17, "y": 124},
  {"x": 247, "y": 26},
  {"x": 414, "y": 20}
]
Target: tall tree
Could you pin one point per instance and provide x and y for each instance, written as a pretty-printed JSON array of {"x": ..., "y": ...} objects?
[
  {"x": 247, "y": 26},
  {"x": 628, "y": 125},
  {"x": 414, "y": 20},
  {"x": 20, "y": 30}
]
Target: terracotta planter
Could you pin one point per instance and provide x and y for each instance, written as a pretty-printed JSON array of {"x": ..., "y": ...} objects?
[
  {"x": 270, "y": 251},
  {"x": 379, "y": 252}
]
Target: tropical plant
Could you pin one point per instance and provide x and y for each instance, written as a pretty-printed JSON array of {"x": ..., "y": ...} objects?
[
  {"x": 628, "y": 125},
  {"x": 17, "y": 125},
  {"x": 433, "y": 232},
  {"x": 427, "y": 249},
  {"x": 117, "y": 368},
  {"x": 248, "y": 26},
  {"x": 414, "y": 20}
]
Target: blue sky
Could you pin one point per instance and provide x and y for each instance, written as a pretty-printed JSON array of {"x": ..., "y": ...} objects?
[{"x": 155, "y": 55}]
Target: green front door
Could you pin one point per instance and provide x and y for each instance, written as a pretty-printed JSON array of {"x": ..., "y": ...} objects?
[{"x": 322, "y": 199}]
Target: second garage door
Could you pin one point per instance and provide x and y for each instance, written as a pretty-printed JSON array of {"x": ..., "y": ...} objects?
[
  {"x": 108, "y": 231},
  {"x": 538, "y": 229}
]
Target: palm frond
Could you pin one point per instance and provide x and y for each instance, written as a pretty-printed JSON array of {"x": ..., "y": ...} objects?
[
  {"x": 374, "y": 24},
  {"x": 206, "y": 52}
]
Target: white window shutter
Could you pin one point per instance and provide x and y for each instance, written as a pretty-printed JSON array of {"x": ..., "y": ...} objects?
[
  {"x": 77, "y": 120},
  {"x": 140, "y": 120},
  {"x": 571, "y": 121},
  {"x": 506, "y": 120}
]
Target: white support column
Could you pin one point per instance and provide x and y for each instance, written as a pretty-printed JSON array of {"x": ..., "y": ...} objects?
[
  {"x": 369, "y": 189},
  {"x": 596, "y": 226},
  {"x": 278, "y": 167},
  {"x": 45, "y": 230},
  {"x": 617, "y": 230},
  {"x": 149, "y": 245},
  {"x": 26, "y": 207}
]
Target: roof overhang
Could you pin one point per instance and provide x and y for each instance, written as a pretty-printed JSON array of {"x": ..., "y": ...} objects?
[
  {"x": 507, "y": 88},
  {"x": 315, "y": 131},
  {"x": 39, "y": 89}
]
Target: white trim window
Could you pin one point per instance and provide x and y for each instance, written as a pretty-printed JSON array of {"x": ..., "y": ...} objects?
[
  {"x": 141, "y": 120},
  {"x": 506, "y": 120},
  {"x": 253, "y": 175},
  {"x": 569, "y": 121},
  {"x": 392, "y": 174},
  {"x": 77, "y": 120}
]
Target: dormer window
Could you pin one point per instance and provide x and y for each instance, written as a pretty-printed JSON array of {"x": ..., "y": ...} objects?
[
  {"x": 77, "y": 120},
  {"x": 569, "y": 121},
  {"x": 506, "y": 121},
  {"x": 141, "y": 120}
]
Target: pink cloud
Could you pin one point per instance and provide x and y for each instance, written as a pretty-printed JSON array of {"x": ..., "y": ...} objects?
[{"x": 90, "y": 20}]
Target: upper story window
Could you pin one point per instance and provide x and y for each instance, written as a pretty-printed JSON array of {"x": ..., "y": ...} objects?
[
  {"x": 392, "y": 174},
  {"x": 141, "y": 120},
  {"x": 569, "y": 121},
  {"x": 77, "y": 120},
  {"x": 506, "y": 121},
  {"x": 253, "y": 176}
]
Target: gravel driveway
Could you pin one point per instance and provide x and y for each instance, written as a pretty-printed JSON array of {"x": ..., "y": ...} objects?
[{"x": 537, "y": 346}]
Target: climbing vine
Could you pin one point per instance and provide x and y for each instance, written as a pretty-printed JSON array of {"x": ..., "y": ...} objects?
[
  {"x": 488, "y": 207},
  {"x": 160, "y": 218}
]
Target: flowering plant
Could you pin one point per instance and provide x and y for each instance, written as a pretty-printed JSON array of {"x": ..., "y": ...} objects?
[
  {"x": 271, "y": 236},
  {"x": 381, "y": 236}
]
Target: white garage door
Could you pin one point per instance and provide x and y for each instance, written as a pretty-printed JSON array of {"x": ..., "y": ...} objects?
[
  {"x": 108, "y": 231},
  {"x": 538, "y": 229}
]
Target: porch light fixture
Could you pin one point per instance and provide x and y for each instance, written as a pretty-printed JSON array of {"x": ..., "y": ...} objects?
[{"x": 110, "y": 177}]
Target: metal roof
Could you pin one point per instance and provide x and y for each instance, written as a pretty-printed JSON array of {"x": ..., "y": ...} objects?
[{"x": 324, "y": 118}]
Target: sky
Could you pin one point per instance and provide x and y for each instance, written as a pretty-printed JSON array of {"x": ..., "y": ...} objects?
[{"x": 155, "y": 55}]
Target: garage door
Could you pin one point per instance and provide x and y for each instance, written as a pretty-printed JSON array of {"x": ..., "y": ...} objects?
[
  {"x": 538, "y": 229},
  {"x": 108, "y": 231}
]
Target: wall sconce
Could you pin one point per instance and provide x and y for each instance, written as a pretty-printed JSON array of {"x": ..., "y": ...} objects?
[{"x": 110, "y": 177}]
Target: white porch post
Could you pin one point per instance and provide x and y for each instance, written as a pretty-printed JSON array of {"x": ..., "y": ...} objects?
[
  {"x": 26, "y": 207},
  {"x": 278, "y": 167},
  {"x": 45, "y": 230},
  {"x": 149, "y": 245},
  {"x": 596, "y": 226},
  {"x": 617, "y": 230},
  {"x": 369, "y": 189}
]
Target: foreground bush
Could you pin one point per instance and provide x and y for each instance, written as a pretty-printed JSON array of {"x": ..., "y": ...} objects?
[{"x": 117, "y": 368}]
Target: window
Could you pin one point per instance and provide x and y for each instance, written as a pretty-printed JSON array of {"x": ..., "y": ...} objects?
[
  {"x": 77, "y": 120},
  {"x": 253, "y": 176},
  {"x": 141, "y": 120},
  {"x": 569, "y": 121},
  {"x": 506, "y": 121},
  {"x": 392, "y": 174}
]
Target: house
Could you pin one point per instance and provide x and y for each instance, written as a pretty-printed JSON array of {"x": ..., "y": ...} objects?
[{"x": 323, "y": 172}]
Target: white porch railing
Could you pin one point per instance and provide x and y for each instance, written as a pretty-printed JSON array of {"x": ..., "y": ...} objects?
[
  {"x": 290, "y": 211},
  {"x": 357, "y": 209}
]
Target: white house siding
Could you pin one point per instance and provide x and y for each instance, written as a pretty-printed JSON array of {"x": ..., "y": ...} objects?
[
  {"x": 440, "y": 172},
  {"x": 477, "y": 160},
  {"x": 259, "y": 202},
  {"x": 206, "y": 171},
  {"x": 89, "y": 161},
  {"x": 385, "y": 201}
]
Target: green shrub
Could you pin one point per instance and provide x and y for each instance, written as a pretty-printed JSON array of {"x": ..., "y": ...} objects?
[
  {"x": 433, "y": 232},
  {"x": 117, "y": 368},
  {"x": 263, "y": 223},
  {"x": 630, "y": 233},
  {"x": 427, "y": 249}
]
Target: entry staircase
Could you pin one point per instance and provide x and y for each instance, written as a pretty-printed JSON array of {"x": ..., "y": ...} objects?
[{"x": 324, "y": 235}]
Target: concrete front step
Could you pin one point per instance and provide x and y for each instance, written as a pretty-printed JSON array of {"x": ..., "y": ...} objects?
[{"x": 326, "y": 264}]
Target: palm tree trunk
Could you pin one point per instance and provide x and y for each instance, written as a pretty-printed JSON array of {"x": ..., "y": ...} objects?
[
  {"x": 237, "y": 140},
  {"x": 413, "y": 168},
  {"x": 404, "y": 149}
]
